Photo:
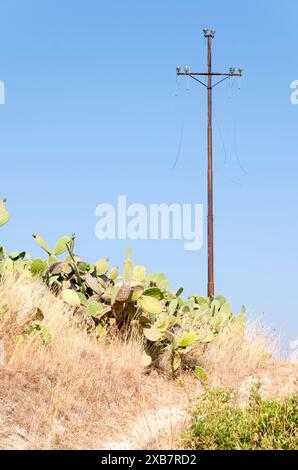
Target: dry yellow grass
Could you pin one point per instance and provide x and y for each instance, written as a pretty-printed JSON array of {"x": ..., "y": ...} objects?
[
  {"x": 76, "y": 393},
  {"x": 239, "y": 353}
]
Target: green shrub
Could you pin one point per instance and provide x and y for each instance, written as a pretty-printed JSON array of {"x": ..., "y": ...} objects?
[{"x": 219, "y": 424}]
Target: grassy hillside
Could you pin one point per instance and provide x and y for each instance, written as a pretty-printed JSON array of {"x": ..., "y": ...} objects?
[
  {"x": 96, "y": 358},
  {"x": 74, "y": 392},
  {"x": 77, "y": 392}
]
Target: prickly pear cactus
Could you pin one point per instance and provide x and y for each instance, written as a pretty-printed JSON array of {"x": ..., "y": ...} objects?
[
  {"x": 4, "y": 214},
  {"x": 132, "y": 303}
]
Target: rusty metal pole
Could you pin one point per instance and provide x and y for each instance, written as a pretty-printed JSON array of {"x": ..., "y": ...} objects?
[
  {"x": 210, "y": 289},
  {"x": 221, "y": 77}
]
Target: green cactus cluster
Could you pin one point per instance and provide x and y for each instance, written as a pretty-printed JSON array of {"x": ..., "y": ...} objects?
[
  {"x": 133, "y": 301},
  {"x": 129, "y": 301}
]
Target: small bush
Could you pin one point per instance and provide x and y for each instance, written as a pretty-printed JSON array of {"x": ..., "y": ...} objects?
[{"x": 219, "y": 424}]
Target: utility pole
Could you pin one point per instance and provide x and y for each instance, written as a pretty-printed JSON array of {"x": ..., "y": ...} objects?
[{"x": 209, "y": 35}]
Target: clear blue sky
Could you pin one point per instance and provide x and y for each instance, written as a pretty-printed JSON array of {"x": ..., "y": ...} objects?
[{"x": 91, "y": 113}]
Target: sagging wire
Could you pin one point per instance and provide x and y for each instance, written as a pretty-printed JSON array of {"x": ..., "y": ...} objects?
[
  {"x": 233, "y": 86},
  {"x": 236, "y": 151},
  {"x": 188, "y": 83},
  {"x": 239, "y": 87},
  {"x": 230, "y": 88},
  {"x": 225, "y": 152},
  {"x": 178, "y": 83},
  {"x": 220, "y": 137},
  {"x": 179, "y": 146}
]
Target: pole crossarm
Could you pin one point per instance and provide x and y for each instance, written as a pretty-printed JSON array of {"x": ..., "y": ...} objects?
[
  {"x": 211, "y": 73},
  {"x": 194, "y": 76}
]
